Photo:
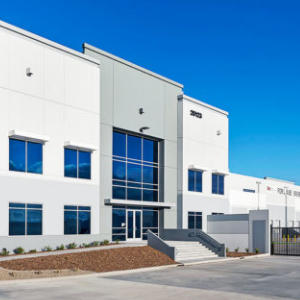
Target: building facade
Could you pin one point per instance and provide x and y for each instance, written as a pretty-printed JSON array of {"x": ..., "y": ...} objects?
[
  {"x": 94, "y": 147},
  {"x": 138, "y": 154},
  {"x": 49, "y": 142}
]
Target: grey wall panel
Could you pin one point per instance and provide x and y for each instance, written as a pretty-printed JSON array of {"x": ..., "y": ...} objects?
[
  {"x": 233, "y": 241},
  {"x": 259, "y": 234},
  {"x": 134, "y": 90},
  {"x": 228, "y": 227}
]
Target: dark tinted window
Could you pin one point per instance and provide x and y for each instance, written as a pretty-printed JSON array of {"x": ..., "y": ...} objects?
[
  {"x": 119, "y": 144},
  {"x": 195, "y": 181},
  {"x": 77, "y": 164},
  {"x": 77, "y": 220},
  {"x": 16, "y": 221},
  {"x": 70, "y": 163},
  {"x": 84, "y": 165},
  {"x": 34, "y": 158},
  {"x": 17, "y": 155},
  {"x": 34, "y": 221},
  {"x": 134, "y": 147},
  {"x": 25, "y": 219},
  {"x": 150, "y": 150},
  {"x": 218, "y": 184},
  {"x": 70, "y": 222},
  {"x": 195, "y": 220}
]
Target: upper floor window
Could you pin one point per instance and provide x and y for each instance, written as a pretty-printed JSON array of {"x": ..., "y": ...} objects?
[
  {"x": 25, "y": 219},
  {"x": 194, "y": 220},
  {"x": 25, "y": 156},
  {"x": 249, "y": 191},
  {"x": 195, "y": 181},
  {"x": 135, "y": 167},
  {"x": 218, "y": 184},
  {"x": 77, "y": 164}
]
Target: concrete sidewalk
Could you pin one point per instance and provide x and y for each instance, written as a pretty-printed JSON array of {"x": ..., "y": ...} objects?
[{"x": 70, "y": 251}]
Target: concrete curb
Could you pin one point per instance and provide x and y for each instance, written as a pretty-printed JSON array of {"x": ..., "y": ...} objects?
[
  {"x": 227, "y": 259},
  {"x": 92, "y": 275}
]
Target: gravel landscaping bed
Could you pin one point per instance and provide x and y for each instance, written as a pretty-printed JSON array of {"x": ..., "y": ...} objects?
[
  {"x": 239, "y": 254},
  {"x": 93, "y": 261},
  {"x": 15, "y": 275}
]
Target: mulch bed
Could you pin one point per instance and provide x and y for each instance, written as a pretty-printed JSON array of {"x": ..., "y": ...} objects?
[
  {"x": 238, "y": 254},
  {"x": 95, "y": 261}
]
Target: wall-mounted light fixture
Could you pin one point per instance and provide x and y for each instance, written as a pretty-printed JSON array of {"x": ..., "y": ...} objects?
[
  {"x": 141, "y": 111},
  {"x": 144, "y": 128},
  {"x": 29, "y": 72},
  {"x": 219, "y": 132}
]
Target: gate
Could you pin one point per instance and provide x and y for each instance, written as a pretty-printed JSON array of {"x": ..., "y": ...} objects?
[{"x": 285, "y": 240}]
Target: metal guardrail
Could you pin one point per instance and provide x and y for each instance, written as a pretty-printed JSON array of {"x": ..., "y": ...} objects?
[
  {"x": 195, "y": 235},
  {"x": 157, "y": 243}
]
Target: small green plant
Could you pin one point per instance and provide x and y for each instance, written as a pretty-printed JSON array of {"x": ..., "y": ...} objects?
[
  {"x": 117, "y": 241},
  {"x": 236, "y": 250},
  {"x": 39, "y": 272},
  {"x": 47, "y": 248},
  {"x": 61, "y": 247},
  {"x": 32, "y": 251},
  {"x": 247, "y": 250},
  {"x": 257, "y": 251},
  {"x": 19, "y": 250},
  {"x": 71, "y": 246},
  {"x": 12, "y": 274},
  {"x": 95, "y": 243},
  {"x": 87, "y": 245},
  {"x": 4, "y": 252},
  {"x": 227, "y": 250},
  {"x": 105, "y": 242}
]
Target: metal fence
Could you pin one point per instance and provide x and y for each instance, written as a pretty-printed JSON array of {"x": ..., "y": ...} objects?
[{"x": 285, "y": 240}]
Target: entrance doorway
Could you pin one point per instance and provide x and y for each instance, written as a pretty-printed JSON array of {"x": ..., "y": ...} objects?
[{"x": 134, "y": 224}]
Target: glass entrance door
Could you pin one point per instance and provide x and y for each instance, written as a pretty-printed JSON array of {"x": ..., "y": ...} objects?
[{"x": 134, "y": 223}]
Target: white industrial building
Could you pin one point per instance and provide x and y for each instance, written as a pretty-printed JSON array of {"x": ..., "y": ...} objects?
[{"x": 94, "y": 147}]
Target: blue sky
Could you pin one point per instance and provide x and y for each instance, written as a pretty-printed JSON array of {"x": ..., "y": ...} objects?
[{"x": 242, "y": 56}]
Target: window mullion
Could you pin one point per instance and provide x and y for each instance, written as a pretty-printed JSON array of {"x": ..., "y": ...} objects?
[{"x": 26, "y": 160}]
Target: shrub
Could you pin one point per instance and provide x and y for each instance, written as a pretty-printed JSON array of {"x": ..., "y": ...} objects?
[
  {"x": 46, "y": 248},
  {"x": 117, "y": 241},
  {"x": 19, "y": 250},
  {"x": 71, "y": 246},
  {"x": 236, "y": 250},
  {"x": 87, "y": 245},
  {"x": 61, "y": 247},
  {"x": 95, "y": 243},
  {"x": 4, "y": 252},
  {"x": 227, "y": 250},
  {"x": 247, "y": 250},
  {"x": 32, "y": 251},
  {"x": 257, "y": 251},
  {"x": 105, "y": 242}
]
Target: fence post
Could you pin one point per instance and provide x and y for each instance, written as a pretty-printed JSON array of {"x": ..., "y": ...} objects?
[{"x": 271, "y": 239}]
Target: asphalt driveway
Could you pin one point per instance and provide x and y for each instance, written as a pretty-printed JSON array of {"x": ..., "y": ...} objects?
[{"x": 260, "y": 278}]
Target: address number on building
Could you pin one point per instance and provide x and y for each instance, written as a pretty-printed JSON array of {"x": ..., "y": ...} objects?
[{"x": 196, "y": 114}]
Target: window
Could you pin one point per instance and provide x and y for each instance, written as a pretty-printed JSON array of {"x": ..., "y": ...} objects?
[
  {"x": 150, "y": 221},
  {"x": 194, "y": 220},
  {"x": 25, "y": 219},
  {"x": 218, "y": 184},
  {"x": 119, "y": 224},
  {"x": 135, "y": 168},
  {"x": 249, "y": 191},
  {"x": 25, "y": 156},
  {"x": 77, "y": 164},
  {"x": 214, "y": 214},
  {"x": 77, "y": 219},
  {"x": 195, "y": 181}
]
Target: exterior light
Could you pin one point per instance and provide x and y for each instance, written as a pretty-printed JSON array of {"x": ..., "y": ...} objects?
[
  {"x": 144, "y": 128},
  {"x": 219, "y": 132},
  {"x": 29, "y": 72},
  {"x": 141, "y": 111}
]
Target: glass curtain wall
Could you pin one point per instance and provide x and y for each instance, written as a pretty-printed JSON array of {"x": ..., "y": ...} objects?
[{"x": 135, "y": 168}]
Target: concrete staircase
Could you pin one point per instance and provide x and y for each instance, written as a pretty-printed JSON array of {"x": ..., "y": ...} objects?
[{"x": 191, "y": 251}]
